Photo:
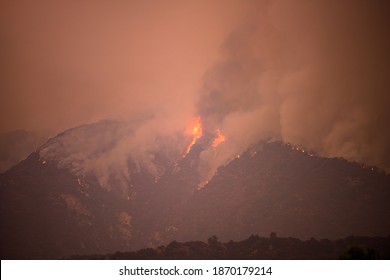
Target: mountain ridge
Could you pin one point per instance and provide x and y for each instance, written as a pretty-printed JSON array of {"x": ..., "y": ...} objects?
[{"x": 50, "y": 211}]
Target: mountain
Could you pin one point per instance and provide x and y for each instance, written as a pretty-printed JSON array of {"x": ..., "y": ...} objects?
[
  {"x": 73, "y": 197},
  {"x": 17, "y": 145}
]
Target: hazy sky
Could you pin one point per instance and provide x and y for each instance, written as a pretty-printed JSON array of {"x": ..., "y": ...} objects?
[
  {"x": 309, "y": 72},
  {"x": 71, "y": 62}
]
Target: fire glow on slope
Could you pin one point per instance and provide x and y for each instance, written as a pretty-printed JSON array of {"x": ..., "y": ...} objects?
[
  {"x": 219, "y": 139},
  {"x": 196, "y": 132}
]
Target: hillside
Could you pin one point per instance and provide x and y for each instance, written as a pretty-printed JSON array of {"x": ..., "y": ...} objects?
[
  {"x": 261, "y": 248},
  {"x": 49, "y": 210}
]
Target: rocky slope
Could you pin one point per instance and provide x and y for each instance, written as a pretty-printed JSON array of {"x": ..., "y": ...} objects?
[{"x": 51, "y": 210}]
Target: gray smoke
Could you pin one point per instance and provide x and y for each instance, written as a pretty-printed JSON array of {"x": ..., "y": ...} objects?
[
  {"x": 309, "y": 73},
  {"x": 113, "y": 150},
  {"x": 312, "y": 73}
]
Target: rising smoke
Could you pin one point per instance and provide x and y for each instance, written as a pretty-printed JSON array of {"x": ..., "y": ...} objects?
[
  {"x": 312, "y": 73},
  {"x": 114, "y": 150},
  {"x": 309, "y": 73}
]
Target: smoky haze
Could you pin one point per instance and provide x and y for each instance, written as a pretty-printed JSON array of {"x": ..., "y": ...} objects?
[
  {"x": 65, "y": 63},
  {"x": 309, "y": 73}
]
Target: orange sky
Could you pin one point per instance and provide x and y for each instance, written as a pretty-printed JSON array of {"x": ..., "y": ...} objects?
[
  {"x": 71, "y": 62},
  {"x": 313, "y": 73}
]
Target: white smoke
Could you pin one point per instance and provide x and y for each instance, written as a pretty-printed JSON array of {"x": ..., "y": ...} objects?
[
  {"x": 309, "y": 73},
  {"x": 113, "y": 150}
]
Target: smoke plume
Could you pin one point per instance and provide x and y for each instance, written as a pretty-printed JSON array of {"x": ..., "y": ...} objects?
[
  {"x": 312, "y": 73},
  {"x": 309, "y": 73}
]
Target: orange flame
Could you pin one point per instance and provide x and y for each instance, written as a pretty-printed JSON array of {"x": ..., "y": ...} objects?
[
  {"x": 196, "y": 132},
  {"x": 202, "y": 185},
  {"x": 220, "y": 139}
]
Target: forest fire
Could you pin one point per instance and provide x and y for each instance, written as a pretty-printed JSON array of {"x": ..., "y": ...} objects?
[
  {"x": 196, "y": 132},
  {"x": 220, "y": 139},
  {"x": 202, "y": 185}
]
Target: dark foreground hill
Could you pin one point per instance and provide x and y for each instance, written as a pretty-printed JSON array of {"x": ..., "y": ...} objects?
[
  {"x": 48, "y": 211},
  {"x": 261, "y": 248}
]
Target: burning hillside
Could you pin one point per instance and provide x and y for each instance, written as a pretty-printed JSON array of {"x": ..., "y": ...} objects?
[{"x": 50, "y": 207}]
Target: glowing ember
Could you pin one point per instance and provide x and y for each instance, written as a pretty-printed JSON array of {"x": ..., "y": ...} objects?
[
  {"x": 220, "y": 139},
  {"x": 196, "y": 132},
  {"x": 81, "y": 182},
  {"x": 202, "y": 185}
]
